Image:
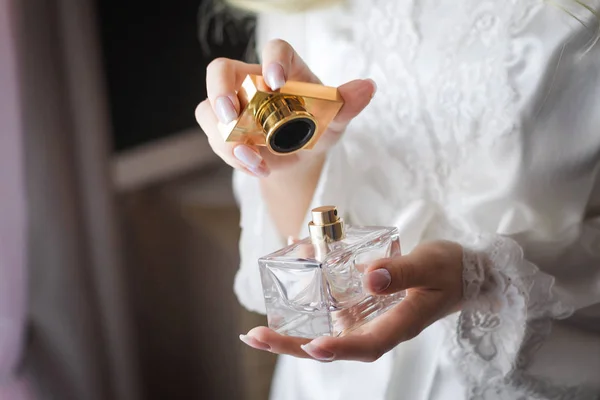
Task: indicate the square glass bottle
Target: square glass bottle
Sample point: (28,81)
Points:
(314,287)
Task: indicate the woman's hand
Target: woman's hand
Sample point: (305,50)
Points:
(432,276)
(280,63)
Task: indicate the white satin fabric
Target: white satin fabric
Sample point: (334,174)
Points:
(485,130)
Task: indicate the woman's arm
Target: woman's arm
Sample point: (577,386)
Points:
(288,195)
(290,187)
(289,181)
(511,303)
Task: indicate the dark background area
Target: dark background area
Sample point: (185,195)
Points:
(155,65)
(181,233)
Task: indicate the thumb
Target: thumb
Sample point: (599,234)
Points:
(392,275)
(357,95)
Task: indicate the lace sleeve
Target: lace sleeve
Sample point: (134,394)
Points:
(504,294)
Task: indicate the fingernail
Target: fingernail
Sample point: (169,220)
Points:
(290,240)
(255,343)
(248,157)
(225,110)
(274,76)
(317,352)
(378,280)
(374,87)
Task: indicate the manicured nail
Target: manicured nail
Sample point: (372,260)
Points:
(248,157)
(378,280)
(255,343)
(317,352)
(290,240)
(374,87)
(225,110)
(274,76)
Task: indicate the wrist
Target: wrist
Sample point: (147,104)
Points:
(288,193)
(307,168)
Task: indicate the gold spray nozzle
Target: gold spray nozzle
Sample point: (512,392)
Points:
(326,224)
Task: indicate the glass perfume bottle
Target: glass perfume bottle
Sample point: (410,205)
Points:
(314,287)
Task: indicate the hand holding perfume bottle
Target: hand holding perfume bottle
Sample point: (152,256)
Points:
(314,287)
(347,293)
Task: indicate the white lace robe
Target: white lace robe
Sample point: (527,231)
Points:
(485,130)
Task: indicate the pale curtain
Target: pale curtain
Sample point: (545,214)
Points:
(78,339)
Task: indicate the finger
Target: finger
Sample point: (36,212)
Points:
(391,275)
(223,78)
(401,323)
(281,62)
(357,95)
(240,156)
(272,341)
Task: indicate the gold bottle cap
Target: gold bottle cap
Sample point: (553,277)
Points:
(326,224)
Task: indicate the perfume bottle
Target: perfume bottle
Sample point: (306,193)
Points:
(314,287)
(286,120)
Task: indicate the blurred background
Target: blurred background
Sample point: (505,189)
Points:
(133,236)
(176,206)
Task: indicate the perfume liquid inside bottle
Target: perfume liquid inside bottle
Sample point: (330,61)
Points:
(314,287)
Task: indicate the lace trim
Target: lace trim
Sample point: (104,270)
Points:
(507,314)
(438,127)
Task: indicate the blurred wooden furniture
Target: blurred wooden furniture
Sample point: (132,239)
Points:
(180,225)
